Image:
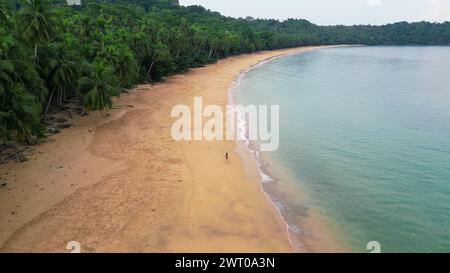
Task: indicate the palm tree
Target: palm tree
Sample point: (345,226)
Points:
(99,86)
(6,75)
(35,22)
(160,54)
(5,13)
(19,112)
(126,67)
(20,92)
(6,81)
(7,70)
(142,47)
(85,27)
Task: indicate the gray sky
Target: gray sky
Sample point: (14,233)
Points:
(332,12)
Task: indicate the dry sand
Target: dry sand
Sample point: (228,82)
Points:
(121,184)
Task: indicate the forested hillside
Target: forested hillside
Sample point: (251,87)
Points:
(51,52)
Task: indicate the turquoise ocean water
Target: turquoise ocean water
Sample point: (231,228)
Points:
(365,133)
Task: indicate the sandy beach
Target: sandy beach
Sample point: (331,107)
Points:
(122,184)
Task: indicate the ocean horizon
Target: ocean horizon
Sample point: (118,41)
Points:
(364,143)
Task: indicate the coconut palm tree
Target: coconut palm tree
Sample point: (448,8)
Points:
(19,112)
(126,67)
(6,81)
(142,47)
(21,91)
(5,12)
(61,74)
(160,54)
(35,22)
(7,70)
(6,77)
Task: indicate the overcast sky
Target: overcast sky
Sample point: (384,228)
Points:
(332,12)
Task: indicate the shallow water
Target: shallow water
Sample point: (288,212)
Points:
(365,133)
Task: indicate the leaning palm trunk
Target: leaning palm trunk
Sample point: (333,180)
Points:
(49,102)
(150,70)
(197,52)
(140,66)
(60,98)
(35,53)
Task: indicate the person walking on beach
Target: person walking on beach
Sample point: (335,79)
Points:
(226,156)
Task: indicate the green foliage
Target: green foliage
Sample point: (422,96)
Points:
(125,66)
(34,21)
(19,99)
(21,117)
(5,11)
(98,86)
(50,52)
(6,76)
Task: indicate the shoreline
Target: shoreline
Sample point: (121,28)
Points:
(121,184)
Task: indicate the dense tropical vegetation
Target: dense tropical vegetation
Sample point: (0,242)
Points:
(51,52)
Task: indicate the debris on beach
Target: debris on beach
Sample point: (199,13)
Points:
(10,151)
(57,122)
(53,131)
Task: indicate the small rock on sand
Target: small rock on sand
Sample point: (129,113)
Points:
(52,130)
(63,125)
(61,119)
(18,157)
